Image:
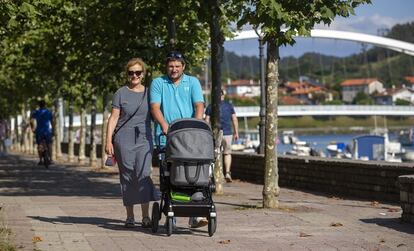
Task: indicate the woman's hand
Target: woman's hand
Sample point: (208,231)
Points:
(109,149)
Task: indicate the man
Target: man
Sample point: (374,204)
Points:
(227,118)
(43,128)
(176,96)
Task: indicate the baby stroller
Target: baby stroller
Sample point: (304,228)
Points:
(186,181)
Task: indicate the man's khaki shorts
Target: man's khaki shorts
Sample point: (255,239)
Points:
(226,144)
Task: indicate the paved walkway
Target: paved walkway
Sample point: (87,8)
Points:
(76,208)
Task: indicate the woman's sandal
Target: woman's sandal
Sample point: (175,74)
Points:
(130,223)
(146,222)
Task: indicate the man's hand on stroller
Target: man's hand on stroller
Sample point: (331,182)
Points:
(164,128)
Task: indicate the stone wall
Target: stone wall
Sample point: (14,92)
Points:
(372,180)
(407,197)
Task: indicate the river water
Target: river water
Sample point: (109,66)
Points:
(319,142)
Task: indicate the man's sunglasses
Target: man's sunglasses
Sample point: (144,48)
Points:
(136,73)
(175,55)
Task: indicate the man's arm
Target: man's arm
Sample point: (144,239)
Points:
(158,117)
(235,123)
(199,110)
(32,122)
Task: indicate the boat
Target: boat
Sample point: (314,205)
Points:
(406,137)
(377,147)
(302,148)
(338,150)
(408,156)
(288,137)
(369,147)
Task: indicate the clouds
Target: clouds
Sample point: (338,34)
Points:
(364,24)
(369,19)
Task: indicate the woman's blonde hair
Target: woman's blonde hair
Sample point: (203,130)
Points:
(134,61)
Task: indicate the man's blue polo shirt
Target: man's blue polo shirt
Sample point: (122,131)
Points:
(177,101)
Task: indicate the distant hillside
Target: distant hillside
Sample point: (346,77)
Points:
(389,66)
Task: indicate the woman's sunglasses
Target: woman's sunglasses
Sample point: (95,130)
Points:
(136,73)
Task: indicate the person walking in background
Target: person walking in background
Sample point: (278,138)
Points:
(228,119)
(41,123)
(176,96)
(4,131)
(129,139)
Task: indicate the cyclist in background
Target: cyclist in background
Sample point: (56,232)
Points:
(43,128)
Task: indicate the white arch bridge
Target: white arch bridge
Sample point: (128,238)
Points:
(300,110)
(330,110)
(392,44)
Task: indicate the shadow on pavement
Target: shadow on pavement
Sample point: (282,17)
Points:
(393,223)
(20,176)
(115,225)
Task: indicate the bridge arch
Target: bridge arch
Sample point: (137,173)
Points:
(389,43)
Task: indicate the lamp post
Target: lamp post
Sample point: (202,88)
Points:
(262,113)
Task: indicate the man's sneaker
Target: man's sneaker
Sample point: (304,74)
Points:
(130,222)
(228,177)
(40,163)
(146,222)
(198,222)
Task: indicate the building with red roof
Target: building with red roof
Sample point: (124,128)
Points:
(351,87)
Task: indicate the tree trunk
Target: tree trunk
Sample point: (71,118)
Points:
(271,182)
(57,153)
(105,117)
(92,153)
(172,34)
(217,40)
(25,133)
(82,137)
(16,140)
(71,135)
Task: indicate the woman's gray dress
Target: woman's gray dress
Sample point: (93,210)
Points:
(133,147)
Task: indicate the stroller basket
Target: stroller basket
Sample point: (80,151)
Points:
(190,151)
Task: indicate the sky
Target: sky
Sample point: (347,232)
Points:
(368,19)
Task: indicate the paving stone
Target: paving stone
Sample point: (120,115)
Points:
(75,208)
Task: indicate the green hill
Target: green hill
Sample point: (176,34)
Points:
(389,66)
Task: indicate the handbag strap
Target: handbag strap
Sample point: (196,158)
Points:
(142,100)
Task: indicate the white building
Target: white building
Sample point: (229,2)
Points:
(390,96)
(243,88)
(351,87)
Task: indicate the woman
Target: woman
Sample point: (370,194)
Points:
(129,139)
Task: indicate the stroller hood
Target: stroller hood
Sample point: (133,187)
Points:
(190,140)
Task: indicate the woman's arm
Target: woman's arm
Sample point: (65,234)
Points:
(113,120)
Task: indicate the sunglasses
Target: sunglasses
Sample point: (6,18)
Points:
(136,73)
(175,55)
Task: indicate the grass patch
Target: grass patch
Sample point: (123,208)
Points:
(5,236)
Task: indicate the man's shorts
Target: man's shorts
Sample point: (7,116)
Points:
(226,143)
(41,136)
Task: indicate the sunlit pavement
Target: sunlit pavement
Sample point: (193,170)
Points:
(68,207)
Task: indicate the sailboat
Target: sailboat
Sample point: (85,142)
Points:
(377,146)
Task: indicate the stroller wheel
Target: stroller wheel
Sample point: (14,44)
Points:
(212,225)
(170,224)
(155,216)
